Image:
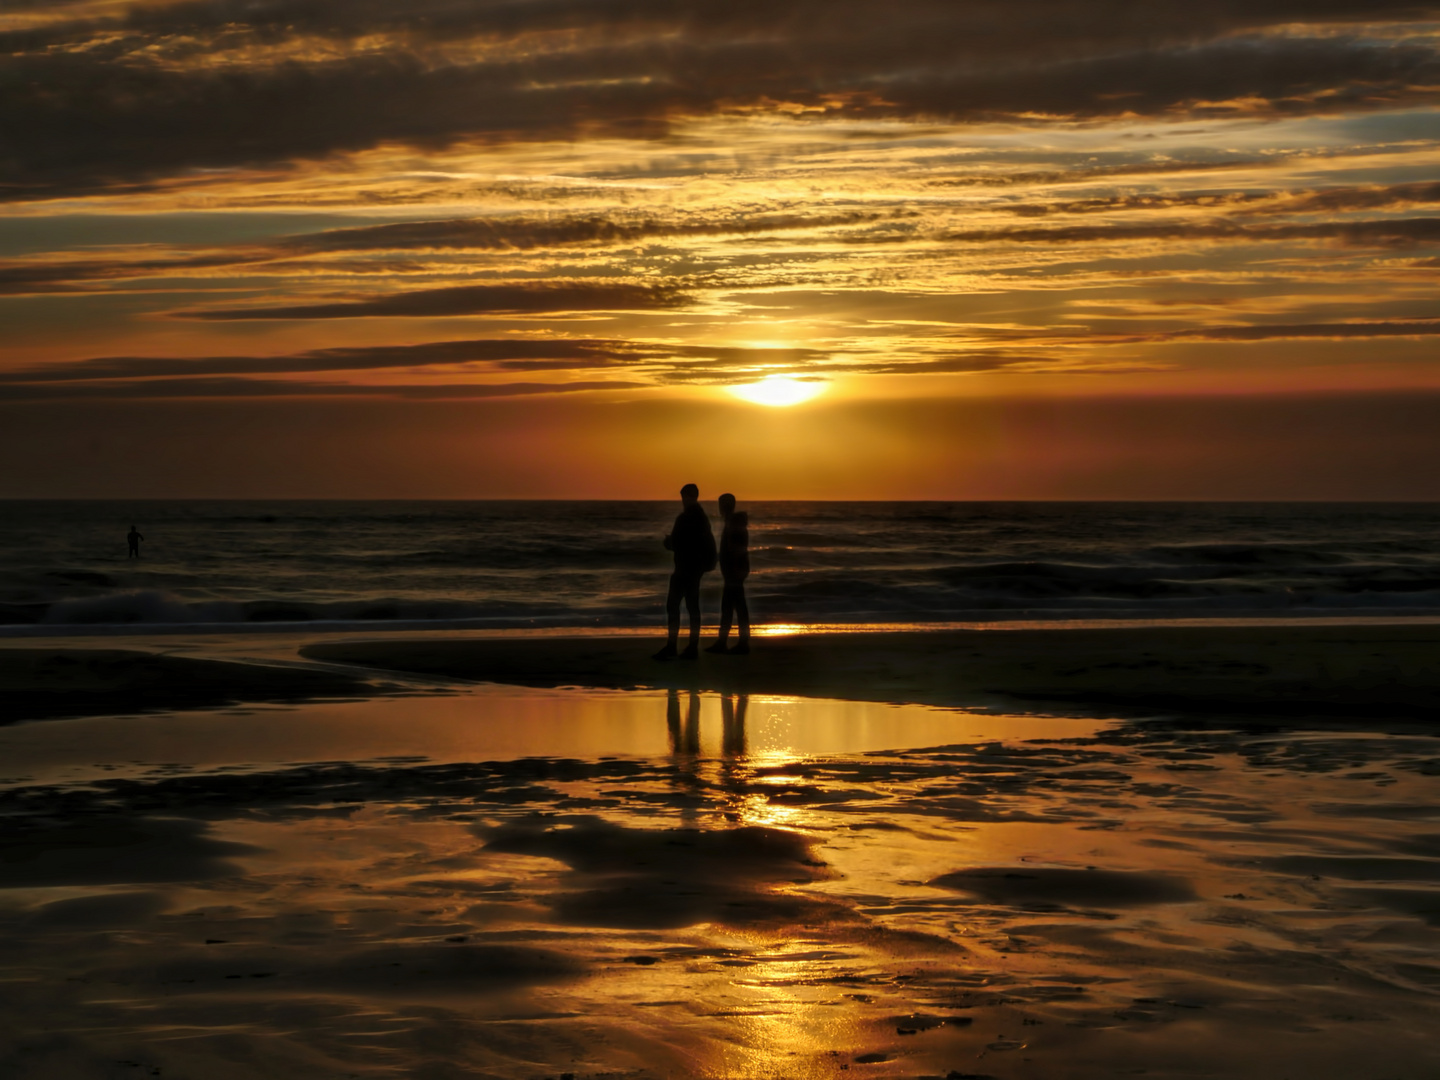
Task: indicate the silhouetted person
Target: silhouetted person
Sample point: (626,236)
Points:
(134,537)
(694,546)
(734,568)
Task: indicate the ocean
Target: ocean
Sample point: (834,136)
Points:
(512,565)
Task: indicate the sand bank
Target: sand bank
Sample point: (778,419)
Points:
(37,684)
(1366,670)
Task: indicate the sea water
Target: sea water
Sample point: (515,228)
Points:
(601,564)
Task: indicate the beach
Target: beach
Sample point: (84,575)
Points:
(1030,852)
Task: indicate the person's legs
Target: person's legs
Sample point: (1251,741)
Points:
(727,616)
(692,606)
(672,617)
(742,618)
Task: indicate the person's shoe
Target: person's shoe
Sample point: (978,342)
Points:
(667,653)
(692,652)
(719,647)
(741,648)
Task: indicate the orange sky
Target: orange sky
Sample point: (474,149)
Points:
(457,248)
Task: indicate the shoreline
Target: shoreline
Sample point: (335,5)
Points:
(480,627)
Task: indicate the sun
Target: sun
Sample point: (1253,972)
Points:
(778,391)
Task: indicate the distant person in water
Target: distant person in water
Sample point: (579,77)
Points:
(734,568)
(134,537)
(693,543)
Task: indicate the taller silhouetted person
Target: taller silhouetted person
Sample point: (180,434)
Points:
(734,568)
(693,543)
(134,537)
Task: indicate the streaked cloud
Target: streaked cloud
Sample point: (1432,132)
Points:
(516,298)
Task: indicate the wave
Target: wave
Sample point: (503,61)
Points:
(811,601)
(589,564)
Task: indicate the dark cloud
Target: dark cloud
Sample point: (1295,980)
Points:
(39,276)
(1261,77)
(1224,200)
(523,233)
(1393,232)
(1332,331)
(514,233)
(163,376)
(575,352)
(1081,173)
(1375,197)
(978,28)
(220,387)
(91,104)
(1330,201)
(524,298)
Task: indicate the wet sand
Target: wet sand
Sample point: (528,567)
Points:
(532,882)
(40,683)
(1271,671)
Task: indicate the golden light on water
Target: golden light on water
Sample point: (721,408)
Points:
(778,391)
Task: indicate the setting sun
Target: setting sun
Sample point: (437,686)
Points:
(778,391)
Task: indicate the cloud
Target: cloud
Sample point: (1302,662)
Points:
(526,298)
(1332,331)
(220,387)
(50,275)
(164,376)
(518,232)
(92,104)
(1337,200)
(521,233)
(577,352)
(1391,232)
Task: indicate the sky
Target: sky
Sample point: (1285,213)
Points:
(950,249)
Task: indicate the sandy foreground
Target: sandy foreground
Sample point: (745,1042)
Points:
(1021,854)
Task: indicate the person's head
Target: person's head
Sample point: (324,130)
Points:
(727,504)
(689,494)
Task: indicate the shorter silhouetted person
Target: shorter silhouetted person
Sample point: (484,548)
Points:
(734,568)
(134,537)
(693,543)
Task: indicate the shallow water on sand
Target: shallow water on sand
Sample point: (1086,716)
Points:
(517,883)
(496,723)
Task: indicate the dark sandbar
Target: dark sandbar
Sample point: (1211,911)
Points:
(39,684)
(1363,670)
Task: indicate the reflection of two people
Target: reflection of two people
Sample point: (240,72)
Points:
(685,733)
(685,749)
